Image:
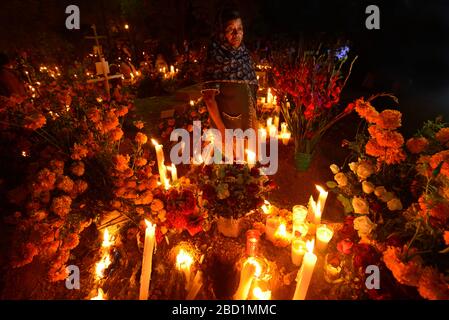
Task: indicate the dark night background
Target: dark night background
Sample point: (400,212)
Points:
(409,55)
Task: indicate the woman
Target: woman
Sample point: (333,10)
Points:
(230,82)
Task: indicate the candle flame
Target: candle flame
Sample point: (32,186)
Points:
(102,265)
(150,226)
(324,233)
(281,232)
(155,143)
(310,245)
(183,260)
(266,207)
(99,296)
(261,295)
(107,239)
(192,103)
(255,263)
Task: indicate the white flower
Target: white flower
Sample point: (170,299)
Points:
(364,226)
(380,191)
(387,197)
(360,205)
(334,168)
(367,187)
(394,204)
(341,179)
(353,166)
(364,170)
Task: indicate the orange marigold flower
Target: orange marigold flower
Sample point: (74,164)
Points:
(366,111)
(389,119)
(417,145)
(407,273)
(35,121)
(61,205)
(372,148)
(121,162)
(394,156)
(141,138)
(441,158)
(442,136)
(110,122)
(77,168)
(57,166)
(79,152)
(436,209)
(46,180)
(79,187)
(116,134)
(94,115)
(138,124)
(386,138)
(423,166)
(432,285)
(71,242)
(121,112)
(64,183)
(140,162)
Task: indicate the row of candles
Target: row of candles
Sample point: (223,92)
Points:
(169,75)
(302,251)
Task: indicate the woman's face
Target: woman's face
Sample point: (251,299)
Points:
(234,33)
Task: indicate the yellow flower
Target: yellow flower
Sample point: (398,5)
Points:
(367,187)
(334,168)
(394,204)
(360,205)
(341,179)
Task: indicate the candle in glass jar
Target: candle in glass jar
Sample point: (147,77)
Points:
(298,251)
(250,269)
(271,226)
(184,262)
(285,136)
(323,235)
(252,239)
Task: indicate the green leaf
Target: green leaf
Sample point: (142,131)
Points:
(331,184)
(345,203)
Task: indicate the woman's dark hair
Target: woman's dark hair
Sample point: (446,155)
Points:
(226,14)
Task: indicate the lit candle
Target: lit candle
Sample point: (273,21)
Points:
(273,130)
(298,250)
(322,197)
(323,235)
(99,296)
(305,273)
(269,122)
(160,162)
(271,226)
(267,208)
(252,238)
(250,269)
(258,294)
(147,260)
(317,214)
(263,100)
(174,173)
(172,69)
(192,103)
(276,122)
(285,136)
(184,262)
(298,218)
(196,286)
(251,158)
(269,96)
(283,127)
(262,134)
(281,236)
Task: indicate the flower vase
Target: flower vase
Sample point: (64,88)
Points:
(229,227)
(302,161)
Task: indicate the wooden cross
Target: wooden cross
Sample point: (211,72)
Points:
(104,64)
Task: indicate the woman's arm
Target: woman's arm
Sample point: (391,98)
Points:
(212,107)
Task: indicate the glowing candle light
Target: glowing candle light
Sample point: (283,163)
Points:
(251,158)
(285,136)
(174,172)
(298,250)
(276,122)
(252,239)
(298,221)
(192,103)
(271,226)
(269,96)
(273,131)
(267,208)
(160,162)
(126,26)
(282,236)
(99,296)
(172,69)
(258,294)
(196,286)
(184,262)
(305,273)
(262,134)
(323,235)
(269,122)
(147,260)
(251,268)
(322,197)
(283,127)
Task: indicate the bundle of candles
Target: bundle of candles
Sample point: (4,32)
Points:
(105,261)
(164,180)
(272,128)
(307,233)
(169,75)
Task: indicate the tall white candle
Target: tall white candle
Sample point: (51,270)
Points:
(147,260)
(174,173)
(250,269)
(305,273)
(251,158)
(160,162)
(298,251)
(322,197)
